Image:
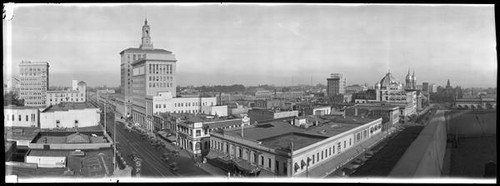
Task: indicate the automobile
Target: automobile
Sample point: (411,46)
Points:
(132,155)
(347,171)
(173,166)
(164,159)
(358,161)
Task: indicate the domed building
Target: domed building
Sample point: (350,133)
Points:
(390,90)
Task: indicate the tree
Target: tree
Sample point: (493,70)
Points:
(11,98)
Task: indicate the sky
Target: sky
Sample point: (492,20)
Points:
(256,44)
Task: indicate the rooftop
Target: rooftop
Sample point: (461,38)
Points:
(95,163)
(299,140)
(14,107)
(279,133)
(20,133)
(69,106)
(378,106)
(70,137)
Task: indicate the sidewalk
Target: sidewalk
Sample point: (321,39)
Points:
(213,170)
(336,163)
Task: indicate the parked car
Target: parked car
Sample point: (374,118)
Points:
(173,166)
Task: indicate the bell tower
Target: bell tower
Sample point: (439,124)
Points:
(146,36)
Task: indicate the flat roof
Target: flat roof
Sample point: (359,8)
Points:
(299,140)
(224,123)
(20,133)
(279,133)
(69,106)
(15,107)
(265,130)
(378,106)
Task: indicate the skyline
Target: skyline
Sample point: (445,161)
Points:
(270,44)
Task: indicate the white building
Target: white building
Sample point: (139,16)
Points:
(278,148)
(76,95)
(215,110)
(69,115)
(15,116)
(164,102)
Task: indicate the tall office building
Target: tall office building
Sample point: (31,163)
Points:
(34,80)
(146,71)
(160,67)
(335,85)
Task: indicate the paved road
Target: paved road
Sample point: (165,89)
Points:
(152,165)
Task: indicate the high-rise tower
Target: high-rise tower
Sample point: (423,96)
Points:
(145,72)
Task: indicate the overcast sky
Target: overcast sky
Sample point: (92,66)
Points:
(253,44)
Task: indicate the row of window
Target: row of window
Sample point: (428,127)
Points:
(189,104)
(36,82)
(323,154)
(33,97)
(239,154)
(160,69)
(31,93)
(62,99)
(32,69)
(160,78)
(33,74)
(13,117)
(28,103)
(64,95)
(37,88)
(160,85)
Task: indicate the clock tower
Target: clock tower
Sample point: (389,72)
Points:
(146,37)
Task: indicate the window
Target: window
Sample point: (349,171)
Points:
(13,117)
(269,162)
(339,148)
(262,161)
(19,117)
(240,153)
(344,144)
(58,123)
(321,155)
(284,168)
(349,141)
(198,132)
(317,157)
(277,166)
(330,151)
(76,123)
(314,159)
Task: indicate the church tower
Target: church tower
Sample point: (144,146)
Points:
(414,81)
(146,37)
(408,80)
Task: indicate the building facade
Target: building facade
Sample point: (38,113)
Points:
(335,85)
(165,102)
(390,90)
(286,150)
(146,72)
(157,73)
(77,94)
(15,116)
(70,115)
(34,82)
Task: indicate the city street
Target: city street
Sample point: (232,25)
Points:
(152,163)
